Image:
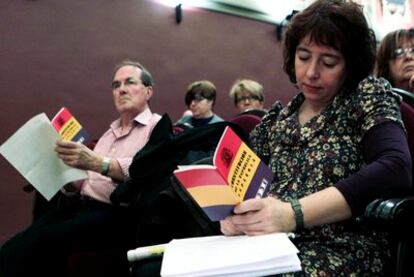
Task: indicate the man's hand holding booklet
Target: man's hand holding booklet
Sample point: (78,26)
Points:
(31,151)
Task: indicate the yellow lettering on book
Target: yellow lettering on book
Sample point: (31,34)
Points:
(242,170)
(70,129)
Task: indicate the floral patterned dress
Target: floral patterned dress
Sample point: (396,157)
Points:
(318,154)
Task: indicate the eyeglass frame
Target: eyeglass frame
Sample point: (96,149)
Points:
(401,52)
(250,98)
(197,98)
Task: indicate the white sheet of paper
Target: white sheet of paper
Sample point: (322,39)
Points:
(230,256)
(31,151)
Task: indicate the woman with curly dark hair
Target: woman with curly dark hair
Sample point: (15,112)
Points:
(335,147)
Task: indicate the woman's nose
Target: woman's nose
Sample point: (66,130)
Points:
(312,70)
(409,55)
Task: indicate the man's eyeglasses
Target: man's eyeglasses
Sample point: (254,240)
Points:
(400,52)
(247,98)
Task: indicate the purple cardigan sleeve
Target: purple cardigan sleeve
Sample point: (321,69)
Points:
(387,172)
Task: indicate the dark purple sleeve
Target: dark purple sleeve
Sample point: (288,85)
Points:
(387,172)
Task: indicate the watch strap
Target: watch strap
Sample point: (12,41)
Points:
(297,209)
(105,166)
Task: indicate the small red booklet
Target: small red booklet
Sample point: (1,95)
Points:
(237,174)
(68,127)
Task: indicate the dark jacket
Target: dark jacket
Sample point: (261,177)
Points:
(163,209)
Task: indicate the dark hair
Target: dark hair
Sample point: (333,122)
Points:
(338,24)
(146,77)
(204,89)
(388,45)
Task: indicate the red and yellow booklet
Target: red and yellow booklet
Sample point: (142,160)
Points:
(68,127)
(237,174)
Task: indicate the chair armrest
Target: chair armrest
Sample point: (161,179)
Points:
(392,214)
(406,95)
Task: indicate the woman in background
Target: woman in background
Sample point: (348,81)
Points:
(395,59)
(200,99)
(247,95)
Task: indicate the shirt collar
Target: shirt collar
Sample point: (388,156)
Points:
(142,118)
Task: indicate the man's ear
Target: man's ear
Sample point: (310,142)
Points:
(150,92)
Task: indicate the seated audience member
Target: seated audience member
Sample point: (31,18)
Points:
(200,99)
(395,59)
(335,147)
(247,95)
(187,113)
(42,249)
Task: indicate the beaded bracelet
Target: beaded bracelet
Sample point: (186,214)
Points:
(297,209)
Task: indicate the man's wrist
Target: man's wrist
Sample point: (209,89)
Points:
(105,166)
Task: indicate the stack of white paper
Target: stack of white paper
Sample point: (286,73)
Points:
(31,151)
(230,256)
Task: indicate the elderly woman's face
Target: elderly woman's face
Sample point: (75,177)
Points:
(402,64)
(320,72)
(247,101)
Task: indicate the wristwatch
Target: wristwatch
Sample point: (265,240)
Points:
(297,209)
(105,166)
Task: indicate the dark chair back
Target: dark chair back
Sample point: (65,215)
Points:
(257,112)
(407,112)
(408,97)
(246,122)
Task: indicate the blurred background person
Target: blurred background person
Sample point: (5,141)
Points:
(200,99)
(247,95)
(395,59)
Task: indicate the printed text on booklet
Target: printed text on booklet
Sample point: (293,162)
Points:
(237,174)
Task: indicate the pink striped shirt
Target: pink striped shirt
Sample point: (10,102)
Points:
(121,146)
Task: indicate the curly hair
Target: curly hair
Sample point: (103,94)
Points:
(388,45)
(338,24)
